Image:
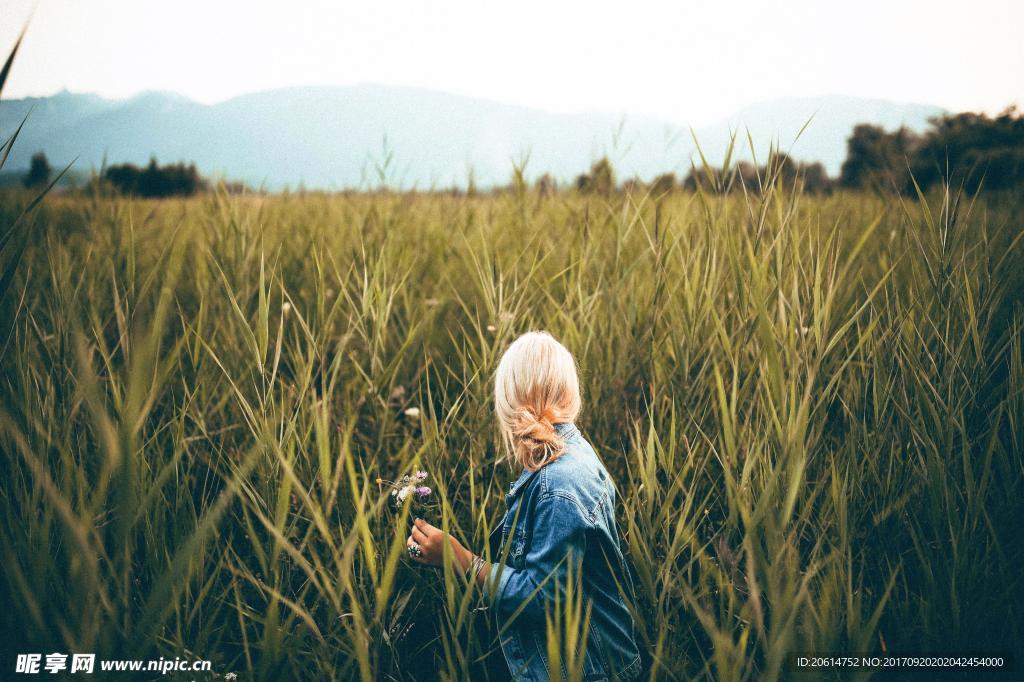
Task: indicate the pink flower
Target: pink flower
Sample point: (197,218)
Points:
(422,491)
(422,476)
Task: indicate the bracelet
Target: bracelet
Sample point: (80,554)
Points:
(473,570)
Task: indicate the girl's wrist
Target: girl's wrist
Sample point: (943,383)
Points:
(465,559)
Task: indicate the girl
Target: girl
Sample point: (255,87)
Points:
(559,524)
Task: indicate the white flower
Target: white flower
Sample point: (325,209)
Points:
(231,676)
(491,328)
(404,493)
(286,309)
(412,412)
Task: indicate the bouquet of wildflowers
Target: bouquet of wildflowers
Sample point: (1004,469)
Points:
(411,484)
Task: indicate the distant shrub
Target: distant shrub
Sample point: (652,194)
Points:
(546,185)
(745,176)
(632,185)
(234,187)
(39,171)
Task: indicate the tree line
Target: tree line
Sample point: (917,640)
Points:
(966,150)
(154,180)
(150,181)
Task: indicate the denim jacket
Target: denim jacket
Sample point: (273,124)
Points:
(563,512)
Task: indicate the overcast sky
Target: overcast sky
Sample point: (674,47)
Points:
(683,61)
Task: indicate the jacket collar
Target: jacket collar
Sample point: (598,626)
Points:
(517,485)
(564,429)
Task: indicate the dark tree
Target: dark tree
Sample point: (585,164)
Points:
(746,175)
(690,182)
(600,180)
(663,184)
(878,160)
(39,171)
(815,178)
(603,176)
(706,179)
(810,177)
(782,168)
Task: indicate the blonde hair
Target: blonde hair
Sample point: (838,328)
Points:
(535,387)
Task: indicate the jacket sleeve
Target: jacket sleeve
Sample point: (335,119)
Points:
(558,538)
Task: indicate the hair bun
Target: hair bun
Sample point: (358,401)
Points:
(536,438)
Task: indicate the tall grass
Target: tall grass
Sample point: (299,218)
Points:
(812,407)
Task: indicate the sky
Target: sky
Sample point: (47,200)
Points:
(686,62)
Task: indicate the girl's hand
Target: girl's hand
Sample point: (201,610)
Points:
(430,541)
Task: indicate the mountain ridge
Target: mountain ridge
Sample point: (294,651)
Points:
(334,137)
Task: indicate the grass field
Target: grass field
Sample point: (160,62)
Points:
(813,408)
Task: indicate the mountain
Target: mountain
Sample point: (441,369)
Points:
(339,137)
